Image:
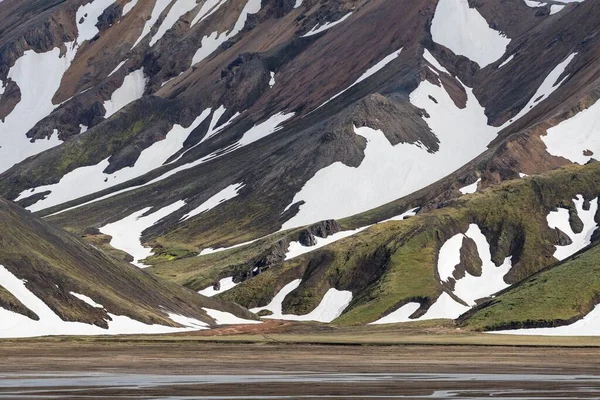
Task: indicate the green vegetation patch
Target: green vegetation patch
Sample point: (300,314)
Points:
(556,296)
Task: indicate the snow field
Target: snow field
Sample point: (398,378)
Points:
(258,132)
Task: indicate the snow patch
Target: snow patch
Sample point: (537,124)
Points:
(128,7)
(209,250)
(547,87)
(158,9)
(470,189)
(576,139)
(87,18)
(179,9)
(328,25)
(209,7)
(187,321)
(296,249)
(214,40)
(118,67)
(464,31)
(468,288)
(560,220)
(225,284)
(554,8)
(264,129)
(400,315)
(509,59)
(226,194)
(126,233)
(271,81)
(132,89)
(407,214)
(368,73)
(587,326)
(434,62)
(331,306)
(445,307)
(275,306)
(225,318)
(87,300)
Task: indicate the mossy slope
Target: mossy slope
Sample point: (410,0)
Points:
(392,263)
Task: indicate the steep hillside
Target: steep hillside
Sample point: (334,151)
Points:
(54,283)
(565,296)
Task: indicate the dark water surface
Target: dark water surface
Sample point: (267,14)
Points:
(298,385)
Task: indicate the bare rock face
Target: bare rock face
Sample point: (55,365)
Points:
(469,260)
(561,238)
(9,99)
(109,17)
(401,122)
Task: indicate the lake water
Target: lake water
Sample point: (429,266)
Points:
(297,385)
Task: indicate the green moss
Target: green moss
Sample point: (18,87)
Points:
(555,296)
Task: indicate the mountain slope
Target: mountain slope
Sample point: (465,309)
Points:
(170,128)
(295,164)
(47,271)
(454,256)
